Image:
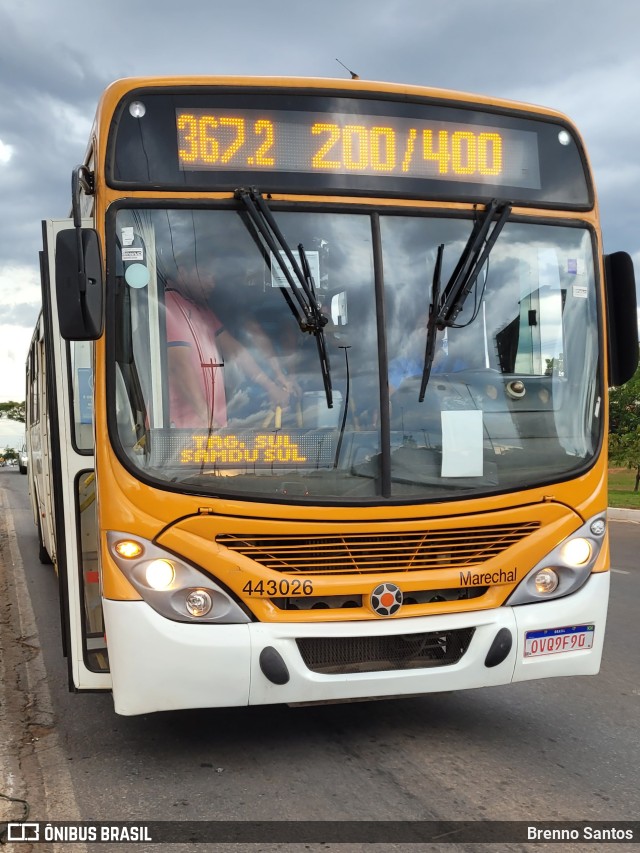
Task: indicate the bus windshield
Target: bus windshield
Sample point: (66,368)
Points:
(217,388)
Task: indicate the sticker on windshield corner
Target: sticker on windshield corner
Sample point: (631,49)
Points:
(133,254)
(580,292)
(127,235)
(278,278)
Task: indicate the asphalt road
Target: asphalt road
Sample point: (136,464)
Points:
(560,749)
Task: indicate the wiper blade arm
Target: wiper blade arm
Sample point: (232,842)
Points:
(309,318)
(312,319)
(445,309)
(472,259)
(321,322)
(432,328)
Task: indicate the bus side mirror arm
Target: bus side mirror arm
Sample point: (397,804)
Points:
(622,318)
(79,278)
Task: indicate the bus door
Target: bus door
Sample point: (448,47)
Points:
(69,376)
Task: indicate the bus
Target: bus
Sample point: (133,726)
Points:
(318,397)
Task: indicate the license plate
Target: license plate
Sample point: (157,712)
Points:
(552,641)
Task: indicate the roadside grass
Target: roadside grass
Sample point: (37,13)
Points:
(621,494)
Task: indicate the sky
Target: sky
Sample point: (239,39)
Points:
(580,57)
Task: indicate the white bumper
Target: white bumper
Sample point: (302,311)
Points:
(159,665)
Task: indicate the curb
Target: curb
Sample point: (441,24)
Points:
(615,514)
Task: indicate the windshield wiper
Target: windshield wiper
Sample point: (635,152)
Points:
(307,313)
(432,328)
(445,308)
(472,259)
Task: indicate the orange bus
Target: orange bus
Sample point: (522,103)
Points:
(325,379)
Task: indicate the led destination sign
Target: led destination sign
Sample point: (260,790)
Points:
(242,450)
(256,449)
(352,144)
(218,139)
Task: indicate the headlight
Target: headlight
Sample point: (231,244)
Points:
(576,552)
(173,587)
(160,574)
(198,602)
(565,569)
(546,581)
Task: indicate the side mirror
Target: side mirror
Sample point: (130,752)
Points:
(622,317)
(79,285)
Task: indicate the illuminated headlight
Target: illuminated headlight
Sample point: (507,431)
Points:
(565,569)
(160,574)
(576,552)
(171,586)
(198,602)
(546,581)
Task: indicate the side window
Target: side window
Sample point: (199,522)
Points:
(33,387)
(81,364)
(540,339)
(95,650)
(532,342)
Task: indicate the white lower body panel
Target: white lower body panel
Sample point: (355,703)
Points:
(160,665)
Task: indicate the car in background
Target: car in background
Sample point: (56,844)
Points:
(22,459)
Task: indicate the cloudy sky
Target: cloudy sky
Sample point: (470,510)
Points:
(578,56)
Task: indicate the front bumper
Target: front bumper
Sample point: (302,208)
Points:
(160,665)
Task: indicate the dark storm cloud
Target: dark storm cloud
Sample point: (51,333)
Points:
(45,90)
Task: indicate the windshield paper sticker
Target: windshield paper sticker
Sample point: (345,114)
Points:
(278,278)
(462,454)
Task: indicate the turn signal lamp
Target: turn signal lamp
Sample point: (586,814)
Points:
(128,549)
(160,574)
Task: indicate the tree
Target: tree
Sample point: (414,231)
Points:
(13,411)
(624,425)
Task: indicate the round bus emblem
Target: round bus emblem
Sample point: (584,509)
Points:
(386,599)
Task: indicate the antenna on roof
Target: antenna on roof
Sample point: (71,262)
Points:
(354,76)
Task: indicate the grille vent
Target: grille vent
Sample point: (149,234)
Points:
(366,553)
(343,655)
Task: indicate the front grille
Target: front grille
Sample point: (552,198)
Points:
(343,655)
(366,553)
(419,597)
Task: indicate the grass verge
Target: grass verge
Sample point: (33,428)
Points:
(621,494)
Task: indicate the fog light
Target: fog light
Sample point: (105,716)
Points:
(198,602)
(546,581)
(160,574)
(576,552)
(128,549)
